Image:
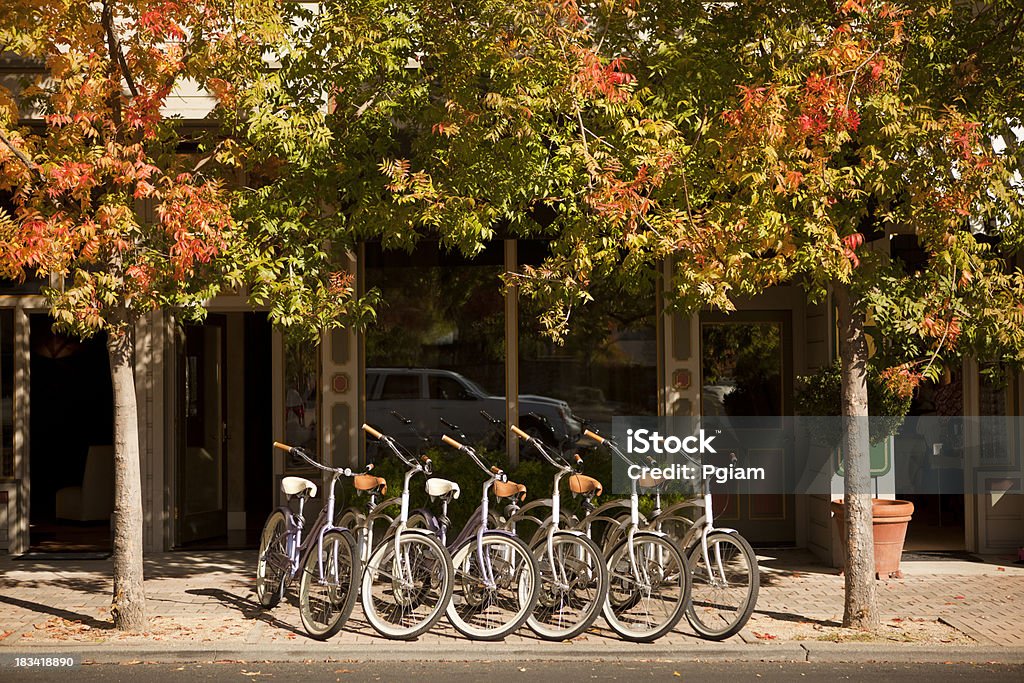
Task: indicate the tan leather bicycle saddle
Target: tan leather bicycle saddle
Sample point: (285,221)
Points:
(509,489)
(368,482)
(649,482)
(584,485)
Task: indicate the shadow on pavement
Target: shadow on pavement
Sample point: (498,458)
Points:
(92,622)
(249,609)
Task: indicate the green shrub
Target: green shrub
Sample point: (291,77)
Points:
(820,395)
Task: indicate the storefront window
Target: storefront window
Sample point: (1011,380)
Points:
(6,393)
(437,349)
(301,397)
(996,400)
(607,365)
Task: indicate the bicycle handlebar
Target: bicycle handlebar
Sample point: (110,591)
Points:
(540,447)
(596,437)
(520,433)
(295,450)
(498,473)
(451,442)
(371,431)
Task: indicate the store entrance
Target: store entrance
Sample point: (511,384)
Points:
(71,453)
(930,467)
(223,473)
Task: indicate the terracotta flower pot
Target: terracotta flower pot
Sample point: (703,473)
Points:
(889,531)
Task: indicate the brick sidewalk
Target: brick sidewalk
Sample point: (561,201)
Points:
(206,598)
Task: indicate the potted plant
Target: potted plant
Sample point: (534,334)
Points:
(818,398)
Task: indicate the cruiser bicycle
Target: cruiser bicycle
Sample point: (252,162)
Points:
(325,555)
(407,583)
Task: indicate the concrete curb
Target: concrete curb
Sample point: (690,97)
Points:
(411,652)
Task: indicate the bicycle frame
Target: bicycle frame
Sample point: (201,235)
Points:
(553,527)
(703,526)
(400,526)
(478,522)
(634,509)
(297,547)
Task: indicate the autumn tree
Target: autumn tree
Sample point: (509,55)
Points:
(105,201)
(411,120)
(798,133)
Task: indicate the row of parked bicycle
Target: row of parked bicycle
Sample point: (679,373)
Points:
(534,563)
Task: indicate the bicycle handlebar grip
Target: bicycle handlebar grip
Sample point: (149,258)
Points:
(371,431)
(577,457)
(596,437)
(495,469)
(451,442)
(520,433)
(283,446)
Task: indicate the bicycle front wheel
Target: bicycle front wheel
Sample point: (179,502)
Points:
(273,563)
(724,588)
(646,596)
(495,586)
(327,591)
(406,592)
(573,586)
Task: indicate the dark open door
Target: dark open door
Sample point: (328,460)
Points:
(201,482)
(747,372)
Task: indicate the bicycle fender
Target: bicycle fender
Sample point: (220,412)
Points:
(573,532)
(419,532)
(428,516)
(289,515)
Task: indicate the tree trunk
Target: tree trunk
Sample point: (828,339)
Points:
(129,600)
(861,609)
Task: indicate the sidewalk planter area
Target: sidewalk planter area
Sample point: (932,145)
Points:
(889,531)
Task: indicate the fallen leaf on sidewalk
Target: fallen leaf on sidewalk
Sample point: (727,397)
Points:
(677,674)
(1000,569)
(343,671)
(764,636)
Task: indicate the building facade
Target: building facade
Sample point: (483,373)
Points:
(213,397)
(448,343)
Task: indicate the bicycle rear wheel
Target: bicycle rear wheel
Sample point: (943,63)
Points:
(405,593)
(327,591)
(273,563)
(723,595)
(490,612)
(573,586)
(646,601)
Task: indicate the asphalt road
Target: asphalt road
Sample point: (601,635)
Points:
(530,672)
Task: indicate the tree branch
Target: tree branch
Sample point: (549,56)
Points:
(114,47)
(21,156)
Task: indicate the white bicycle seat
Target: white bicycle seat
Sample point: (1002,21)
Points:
(441,487)
(297,486)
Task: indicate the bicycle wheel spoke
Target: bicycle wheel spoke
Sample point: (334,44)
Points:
(724,586)
(573,583)
(646,596)
(327,590)
(405,594)
(494,596)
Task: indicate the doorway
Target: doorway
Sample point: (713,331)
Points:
(71,454)
(223,475)
(930,467)
(747,373)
